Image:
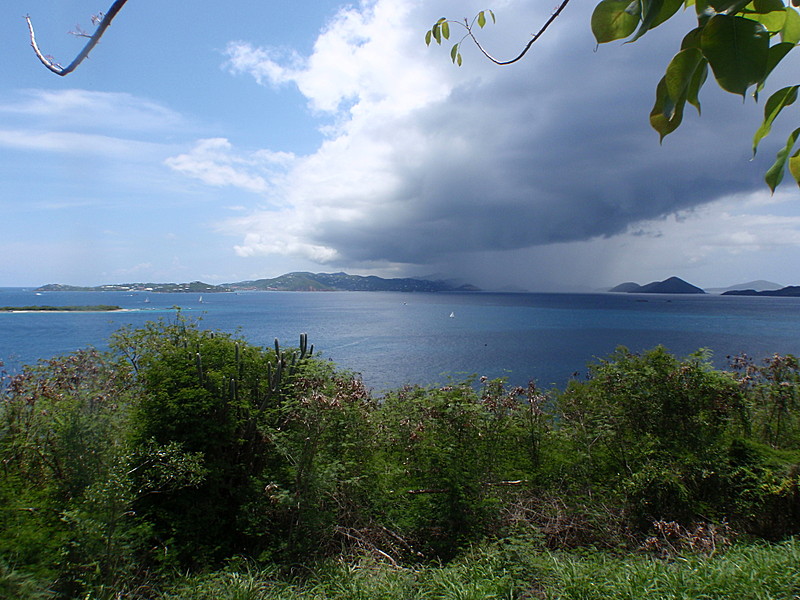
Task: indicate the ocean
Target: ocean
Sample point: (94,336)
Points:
(393,339)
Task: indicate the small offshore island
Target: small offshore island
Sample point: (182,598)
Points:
(91,308)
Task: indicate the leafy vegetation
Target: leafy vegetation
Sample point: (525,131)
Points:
(190,464)
(741,41)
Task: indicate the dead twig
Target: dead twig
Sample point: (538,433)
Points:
(102,24)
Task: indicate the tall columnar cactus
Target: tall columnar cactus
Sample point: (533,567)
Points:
(198,361)
(233,389)
(285,365)
(304,349)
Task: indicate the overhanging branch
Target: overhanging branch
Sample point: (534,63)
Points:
(530,43)
(101,29)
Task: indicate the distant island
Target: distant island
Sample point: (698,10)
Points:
(676,285)
(289,282)
(92,308)
(786,292)
(673,285)
(758,285)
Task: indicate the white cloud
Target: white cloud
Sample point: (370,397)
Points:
(429,163)
(77,143)
(214,162)
(85,109)
(366,56)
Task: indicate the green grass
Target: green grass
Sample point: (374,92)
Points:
(752,572)
(758,572)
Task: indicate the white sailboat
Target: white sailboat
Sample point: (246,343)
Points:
(452,315)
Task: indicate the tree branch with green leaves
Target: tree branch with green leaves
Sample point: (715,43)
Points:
(441,31)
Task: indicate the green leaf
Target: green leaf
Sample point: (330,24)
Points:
(774,174)
(699,78)
(775,55)
(428,35)
(458,59)
(791,28)
(773,21)
(692,39)
(737,50)
(680,72)
(668,9)
(611,21)
(704,12)
(794,166)
(776,103)
(765,6)
(454,53)
(667,114)
(650,10)
(437,33)
(729,7)
(491,14)
(481,19)
(446,30)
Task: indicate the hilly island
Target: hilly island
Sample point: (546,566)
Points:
(673,285)
(289,282)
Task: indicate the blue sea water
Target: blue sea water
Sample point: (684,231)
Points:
(397,338)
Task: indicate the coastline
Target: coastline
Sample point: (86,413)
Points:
(63,310)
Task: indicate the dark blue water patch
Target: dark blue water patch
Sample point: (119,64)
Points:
(395,338)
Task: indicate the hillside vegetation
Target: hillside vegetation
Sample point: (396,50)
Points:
(190,464)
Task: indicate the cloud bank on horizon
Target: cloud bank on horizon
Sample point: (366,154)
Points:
(544,173)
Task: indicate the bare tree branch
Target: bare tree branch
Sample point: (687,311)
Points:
(527,47)
(103,24)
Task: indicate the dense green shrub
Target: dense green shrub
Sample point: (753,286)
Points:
(451,455)
(773,394)
(62,432)
(231,404)
(183,449)
(677,439)
(653,427)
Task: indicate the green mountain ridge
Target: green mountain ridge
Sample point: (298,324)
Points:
(289,282)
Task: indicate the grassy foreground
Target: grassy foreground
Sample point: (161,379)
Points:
(510,570)
(758,572)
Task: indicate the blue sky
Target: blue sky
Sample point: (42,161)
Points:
(247,140)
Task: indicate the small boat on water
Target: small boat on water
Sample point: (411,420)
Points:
(452,315)
(200,300)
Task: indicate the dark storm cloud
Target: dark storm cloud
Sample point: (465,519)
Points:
(555,149)
(518,162)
